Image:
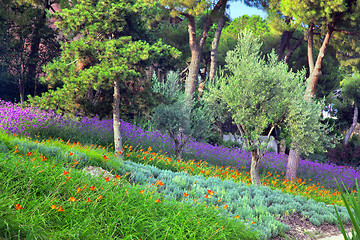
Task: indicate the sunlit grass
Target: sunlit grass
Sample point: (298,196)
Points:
(46,198)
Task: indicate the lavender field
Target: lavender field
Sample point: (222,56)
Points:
(28,121)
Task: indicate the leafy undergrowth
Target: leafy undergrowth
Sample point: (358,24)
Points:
(44,197)
(226,194)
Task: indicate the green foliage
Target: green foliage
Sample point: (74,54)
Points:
(353,209)
(105,53)
(178,114)
(23,28)
(260,93)
(350,88)
(229,35)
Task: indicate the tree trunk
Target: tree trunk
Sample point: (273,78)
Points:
(291,50)
(214,48)
(191,80)
(116,120)
(353,125)
(292,165)
(196,46)
(255,167)
(310,48)
(316,73)
(34,49)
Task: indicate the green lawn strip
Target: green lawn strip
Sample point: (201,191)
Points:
(247,202)
(114,209)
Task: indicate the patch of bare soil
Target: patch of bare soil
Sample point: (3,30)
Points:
(304,230)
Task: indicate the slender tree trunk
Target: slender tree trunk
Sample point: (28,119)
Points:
(196,46)
(310,48)
(353,125)
(116,120)
(292,165)
(255,167)
(214,48)
(316,73)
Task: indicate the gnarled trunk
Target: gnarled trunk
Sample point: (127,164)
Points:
(116,120)
(292,165)
(353,125)
(255,167)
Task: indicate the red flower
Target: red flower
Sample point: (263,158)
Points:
(157,200)
(207,196)
(117,176)
(19,207)
(142,191)
(65,172)
(107,179)
(210,192)
(29,153)
(88,200)
(186,194)
(61,209)
(92,188)
(44,158)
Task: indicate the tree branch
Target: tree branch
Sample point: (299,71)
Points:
(346,32)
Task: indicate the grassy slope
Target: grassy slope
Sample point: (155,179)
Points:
(35,189)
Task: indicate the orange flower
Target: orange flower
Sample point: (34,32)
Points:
(29,153)
(186,194)
(16,151)
(252,222)
(88,200)
(73,199)
(75,162)
(65,172)
(157,200)
(207,196)
(19,207)
(92,188)
(79,190)
(210,192)
(107,179)
(70,154)
(117,176)
(44,158)
(105,158)
(99,197)
(53,207)
(61,209)
(159,183)
(142,191)
(225,206)
(237,216)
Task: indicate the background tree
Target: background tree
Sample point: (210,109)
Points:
(102,55)
(260,94)
(181,121)
(27,41)
(350,90)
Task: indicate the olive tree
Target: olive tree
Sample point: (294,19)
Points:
(180,118)
(260,92)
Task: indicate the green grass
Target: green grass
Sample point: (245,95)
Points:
(116,209)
